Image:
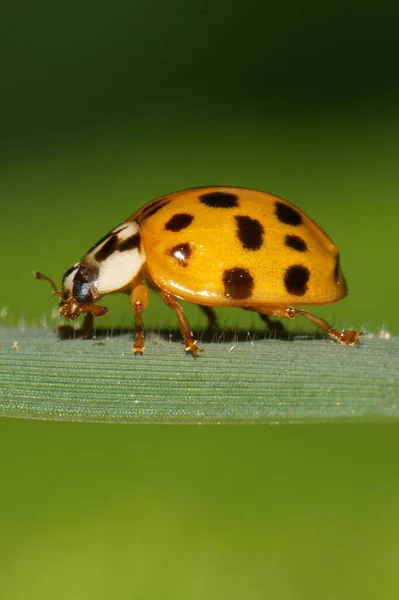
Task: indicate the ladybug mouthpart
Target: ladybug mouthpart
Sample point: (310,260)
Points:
(71,309)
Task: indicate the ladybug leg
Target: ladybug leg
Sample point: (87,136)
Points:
(190,344)
(139,304)
(66,331)
(211,316)
(348,336)
(276,328)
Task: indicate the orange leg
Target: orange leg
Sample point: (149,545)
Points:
(139,304)
(348,336)
(190,344)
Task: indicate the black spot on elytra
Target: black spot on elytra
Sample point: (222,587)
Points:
(287,215)
(250,232)
(219,199)
(130,243)
(296,243)
(296,280)
(107,248)
(238,283)
(179,221)
(154,208)
(181,252)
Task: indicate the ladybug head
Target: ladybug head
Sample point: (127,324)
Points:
(78,293)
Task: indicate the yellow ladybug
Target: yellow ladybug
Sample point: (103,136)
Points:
(213,246)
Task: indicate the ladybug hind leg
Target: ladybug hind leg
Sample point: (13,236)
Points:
(212,325)
(276,328)
(348,336)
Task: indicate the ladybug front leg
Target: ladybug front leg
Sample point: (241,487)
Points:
(66,331)
(348,336)
(190,344)
(139,304)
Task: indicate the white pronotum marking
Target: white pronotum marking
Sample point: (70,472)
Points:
(67,284)
(125,230)
(118,270)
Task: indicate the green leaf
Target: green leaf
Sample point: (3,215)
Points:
(238,381)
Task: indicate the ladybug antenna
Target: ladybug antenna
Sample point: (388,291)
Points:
(38,275)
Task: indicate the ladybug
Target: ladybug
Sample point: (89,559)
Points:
(212,246)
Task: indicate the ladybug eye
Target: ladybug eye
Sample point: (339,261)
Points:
(82,281)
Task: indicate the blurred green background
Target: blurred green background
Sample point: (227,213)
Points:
(105,106)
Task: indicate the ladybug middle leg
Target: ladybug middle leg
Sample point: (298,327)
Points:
(190,344)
